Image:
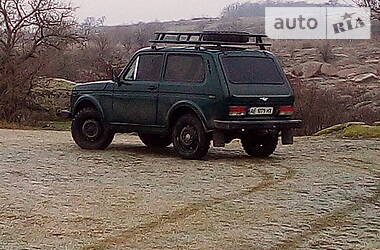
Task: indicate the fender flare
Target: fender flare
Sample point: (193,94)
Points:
(92,100)
(190,105)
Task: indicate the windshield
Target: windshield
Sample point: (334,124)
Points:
(251,70)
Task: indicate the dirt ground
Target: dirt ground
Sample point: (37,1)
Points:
(321,193)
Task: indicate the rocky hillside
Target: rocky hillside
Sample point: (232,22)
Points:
(352,72)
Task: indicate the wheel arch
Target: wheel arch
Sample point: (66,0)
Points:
(185,107)
(87,101)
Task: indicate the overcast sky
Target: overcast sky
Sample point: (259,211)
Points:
(133,11)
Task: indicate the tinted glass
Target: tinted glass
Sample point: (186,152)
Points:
(148,68)
(251,70)
(185,68)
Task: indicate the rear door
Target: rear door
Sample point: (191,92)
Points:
(135,100)
(257,82)
(185,79)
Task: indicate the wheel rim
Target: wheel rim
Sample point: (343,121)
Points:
(188,138)
(91,129)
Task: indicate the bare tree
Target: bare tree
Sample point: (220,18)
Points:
(374,5)
(28,26)
(27,29)
(230,11)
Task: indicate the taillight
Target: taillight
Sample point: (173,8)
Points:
(238,110)
(286,110)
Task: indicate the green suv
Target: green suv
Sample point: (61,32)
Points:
(207,86)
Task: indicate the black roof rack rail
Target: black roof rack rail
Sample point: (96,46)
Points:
(217,38)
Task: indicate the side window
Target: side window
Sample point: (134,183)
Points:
(185,68)
(131,74)
(145,68)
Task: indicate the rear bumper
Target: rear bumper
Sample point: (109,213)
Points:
(276,124)
(65,114)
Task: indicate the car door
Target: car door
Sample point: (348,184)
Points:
(135,98)
(184,80)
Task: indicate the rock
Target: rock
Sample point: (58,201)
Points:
(362,104)
(340,55)
(376,124)
(374,61)
(372,95)
(329,70)
(297,70)
(337,49)
(346,98)
(50,95)
(341,81)
(365,77)
(347,72)
(310,69)
(345,61)
(290,76)
(366,69)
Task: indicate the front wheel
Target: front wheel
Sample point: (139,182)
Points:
(189,138)
(89,132)
(260,146)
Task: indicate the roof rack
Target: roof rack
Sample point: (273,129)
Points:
(218,38)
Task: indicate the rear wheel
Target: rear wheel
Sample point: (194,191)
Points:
(155,141)
(189,138)
(89,132)
(260,146)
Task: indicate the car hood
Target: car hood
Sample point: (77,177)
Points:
(92,86)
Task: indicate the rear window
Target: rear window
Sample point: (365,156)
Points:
(149,68)
(251,70)
(185,68)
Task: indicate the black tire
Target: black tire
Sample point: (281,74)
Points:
(155,141)
(260,146)
(189,138)
(89,132)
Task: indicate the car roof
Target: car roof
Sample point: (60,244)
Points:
(209,50)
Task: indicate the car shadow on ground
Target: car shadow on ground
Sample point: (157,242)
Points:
(215,154)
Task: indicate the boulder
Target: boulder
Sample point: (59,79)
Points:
(366,69)
(50,95)
(345,62)
(297,70)
(347,72)
(310,69)
(365,78)
(329,70)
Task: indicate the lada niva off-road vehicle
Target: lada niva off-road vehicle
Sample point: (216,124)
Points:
(213,88)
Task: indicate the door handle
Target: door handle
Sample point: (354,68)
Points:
(152,87)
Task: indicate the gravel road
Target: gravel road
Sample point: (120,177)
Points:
(321,193)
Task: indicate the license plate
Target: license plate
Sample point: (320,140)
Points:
(261,111)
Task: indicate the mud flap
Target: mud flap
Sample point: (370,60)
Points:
(287,136)
(218,139)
